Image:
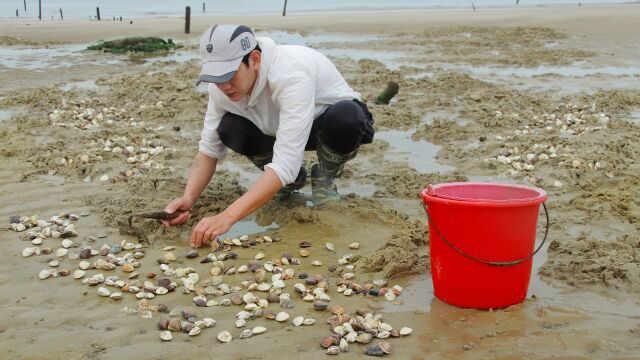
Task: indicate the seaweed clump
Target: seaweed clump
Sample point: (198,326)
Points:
(134,44)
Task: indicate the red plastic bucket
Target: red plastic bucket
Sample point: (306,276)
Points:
(482,237)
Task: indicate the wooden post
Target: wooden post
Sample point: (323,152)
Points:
(284,11)
(187,20)
(16,12)
(39,9)
(388,93)
(204,5)
(473,6)
(61,16)
(98,13)
(25,5)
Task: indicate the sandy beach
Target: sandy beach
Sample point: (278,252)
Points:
(546,97)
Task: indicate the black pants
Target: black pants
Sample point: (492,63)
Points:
(342,127)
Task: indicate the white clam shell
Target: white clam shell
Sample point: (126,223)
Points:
(282,316)
(309,321)
(78,274)
(406,331)
(195,331)
(27,252)
(102,291)
(258,330)
(297,321)
(209,322)
(66,243)
(44,274)
(224,336)
(241,323)
(330,246)
(116,295)
(259,256)
(166,336)
(246,333)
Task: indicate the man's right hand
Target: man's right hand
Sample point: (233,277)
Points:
(178,204)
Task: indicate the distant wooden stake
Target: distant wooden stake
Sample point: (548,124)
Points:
(284,11)
(61,16)
(187,20)
(16,12)
(25,5)
(98,13)
(39,9)
(389,92)
(473,6)
(204,7)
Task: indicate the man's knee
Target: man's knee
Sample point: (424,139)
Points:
(228,128)
(345,116)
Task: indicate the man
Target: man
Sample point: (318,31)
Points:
(270,103)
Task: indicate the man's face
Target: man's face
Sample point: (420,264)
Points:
(243,80)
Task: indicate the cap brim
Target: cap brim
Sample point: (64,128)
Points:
(218,72)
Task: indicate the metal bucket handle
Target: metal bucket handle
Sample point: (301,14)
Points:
(492,263)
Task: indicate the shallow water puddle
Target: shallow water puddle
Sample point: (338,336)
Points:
(5,115)
(444,114)
(84,85)
(51,57)
(294,38)
(420,155)
(567,71)
(635,117)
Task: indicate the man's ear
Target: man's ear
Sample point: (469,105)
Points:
(256,57)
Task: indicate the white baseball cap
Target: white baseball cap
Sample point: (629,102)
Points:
(222,48)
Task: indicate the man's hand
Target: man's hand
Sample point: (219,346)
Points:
(210,228)
(178,204)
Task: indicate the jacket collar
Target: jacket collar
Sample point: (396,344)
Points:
(268,48)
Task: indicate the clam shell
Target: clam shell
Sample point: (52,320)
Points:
(27,252)
(364,338)
(258,330)
(116,296)
(333,350)
(259,256)
(66,243)
(166,336)
(282,316)
(241,323)
(406,331)
(297,321)
(195,331)
(246,333)
(354,245)
(44,274)
(102,291)
(385,347)
(224,336)
(78,274)
(374,350)
(309,321)
(344,345)
(209,322)
(330,246)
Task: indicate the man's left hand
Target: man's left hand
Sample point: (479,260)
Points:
(210,228)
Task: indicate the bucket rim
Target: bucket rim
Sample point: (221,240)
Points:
(430,194)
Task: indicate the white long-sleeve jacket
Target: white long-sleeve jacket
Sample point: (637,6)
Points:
(295,84)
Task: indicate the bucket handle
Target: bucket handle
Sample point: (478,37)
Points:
(492,263)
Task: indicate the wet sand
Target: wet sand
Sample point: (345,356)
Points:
(538,96)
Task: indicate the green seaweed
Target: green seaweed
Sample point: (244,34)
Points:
(134,44)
